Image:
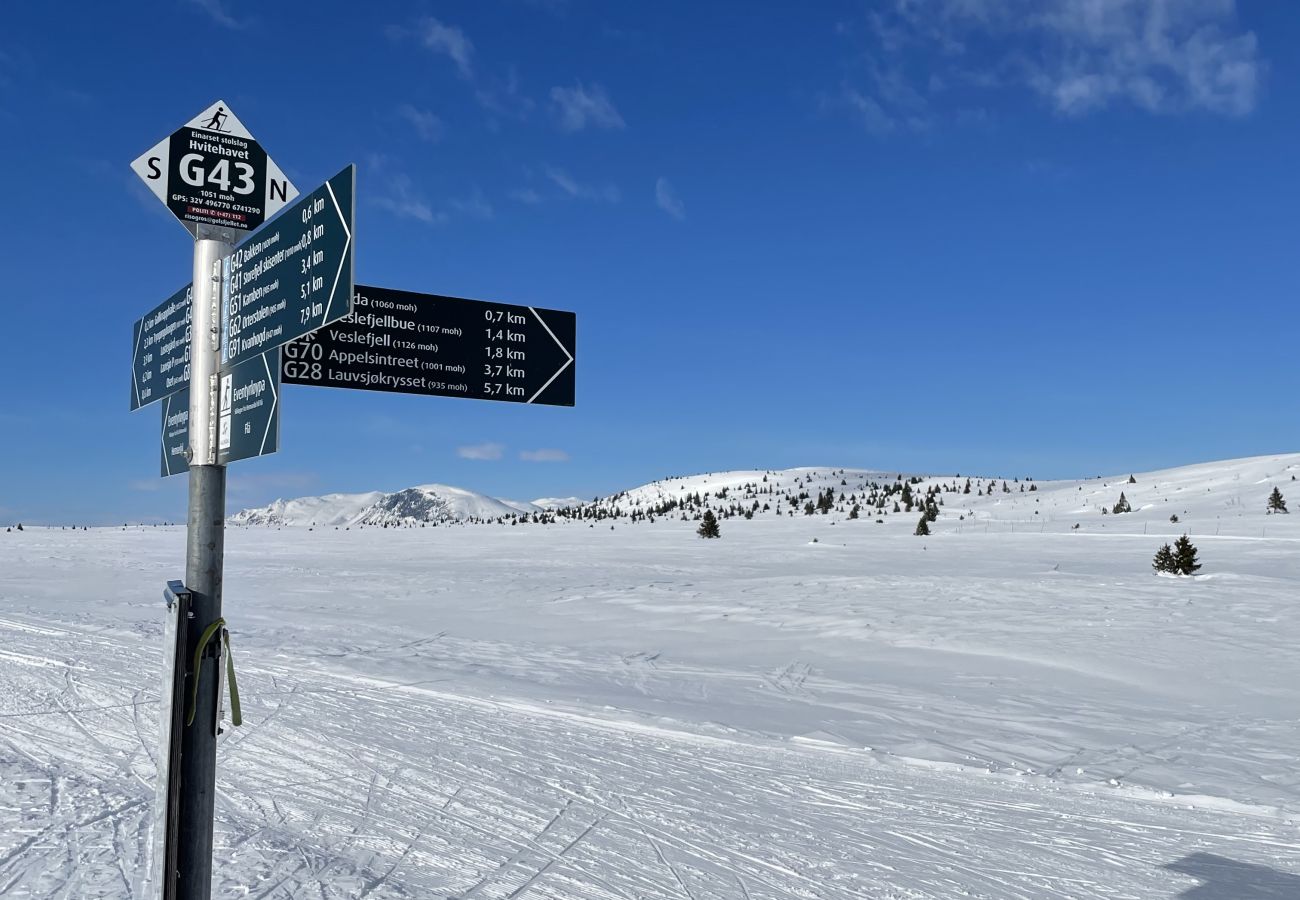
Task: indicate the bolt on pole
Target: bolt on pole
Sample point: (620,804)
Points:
(205,548)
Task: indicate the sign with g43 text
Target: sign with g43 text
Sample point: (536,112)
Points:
(212,172)
(293,276)
(441,346)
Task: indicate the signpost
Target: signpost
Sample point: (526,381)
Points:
(212,172)
(218,181)
(248,415)
(441,346)
(281,304)
(292,277)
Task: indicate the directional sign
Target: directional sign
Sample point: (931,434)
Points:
(160,358)
(293,276)
(444,346)
(248,415)
(212,172)
(176,433)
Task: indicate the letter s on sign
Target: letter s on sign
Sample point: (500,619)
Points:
(154,172)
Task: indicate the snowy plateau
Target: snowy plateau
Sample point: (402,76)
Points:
(447,695)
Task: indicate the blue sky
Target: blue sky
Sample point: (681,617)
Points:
(1052,238)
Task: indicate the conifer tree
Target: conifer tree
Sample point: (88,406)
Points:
(922,527)
(1275,502)
(1122,506)
(709,526)
(1164,561)
(853,513)
(1185,556)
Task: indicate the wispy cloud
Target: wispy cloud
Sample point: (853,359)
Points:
(526,195)
(475,205)
(398,195)
(666,198)
(426,124)
(484,451)
(544,455)
(922,59)
(579,106)
(607,193)
(503,97)
(441,39)
(216,10)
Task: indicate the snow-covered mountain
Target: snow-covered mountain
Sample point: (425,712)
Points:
(1213,496)
(424,503)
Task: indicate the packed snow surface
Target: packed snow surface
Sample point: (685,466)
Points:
(809,707)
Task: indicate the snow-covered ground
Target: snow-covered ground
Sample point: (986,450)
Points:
(810,707)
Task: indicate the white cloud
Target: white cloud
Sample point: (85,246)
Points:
(579,106)
(607,193)
(475,205)
(449,41)
(503,97)
(487,450)
(544,455)
(1079,56)
(867,110)
(397,194)
(426,124)
(216,9)
(526,195)
(667,199)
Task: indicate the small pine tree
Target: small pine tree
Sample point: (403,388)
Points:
(853,513)
(1122,506)
(709,526)
(1132,480)
(1164,561)
(1185,556)
(1275,502)
(922,527)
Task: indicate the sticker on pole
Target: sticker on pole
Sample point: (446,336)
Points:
(213,172)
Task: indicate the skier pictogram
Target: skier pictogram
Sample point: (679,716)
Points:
(215,123)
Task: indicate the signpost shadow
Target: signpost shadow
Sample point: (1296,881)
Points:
(1230,879)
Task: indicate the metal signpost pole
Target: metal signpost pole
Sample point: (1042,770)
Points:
(205,546)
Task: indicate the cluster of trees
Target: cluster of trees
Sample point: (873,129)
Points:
(1180,559)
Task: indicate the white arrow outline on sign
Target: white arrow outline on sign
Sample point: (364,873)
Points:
(135,355)
(567,363)
(275,398)
(344,256)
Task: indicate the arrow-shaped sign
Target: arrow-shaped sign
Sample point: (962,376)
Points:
(442,346)
(160,355)
(248,415)
(293,276)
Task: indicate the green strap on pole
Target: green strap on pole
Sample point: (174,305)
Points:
(218,628)
(236,718)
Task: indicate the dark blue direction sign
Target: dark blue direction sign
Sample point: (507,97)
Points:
(248,415)
(160,355)
(176,433)
(441,346)
(212,172)
(293,276)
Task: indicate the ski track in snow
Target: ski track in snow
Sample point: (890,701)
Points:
(486,713)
